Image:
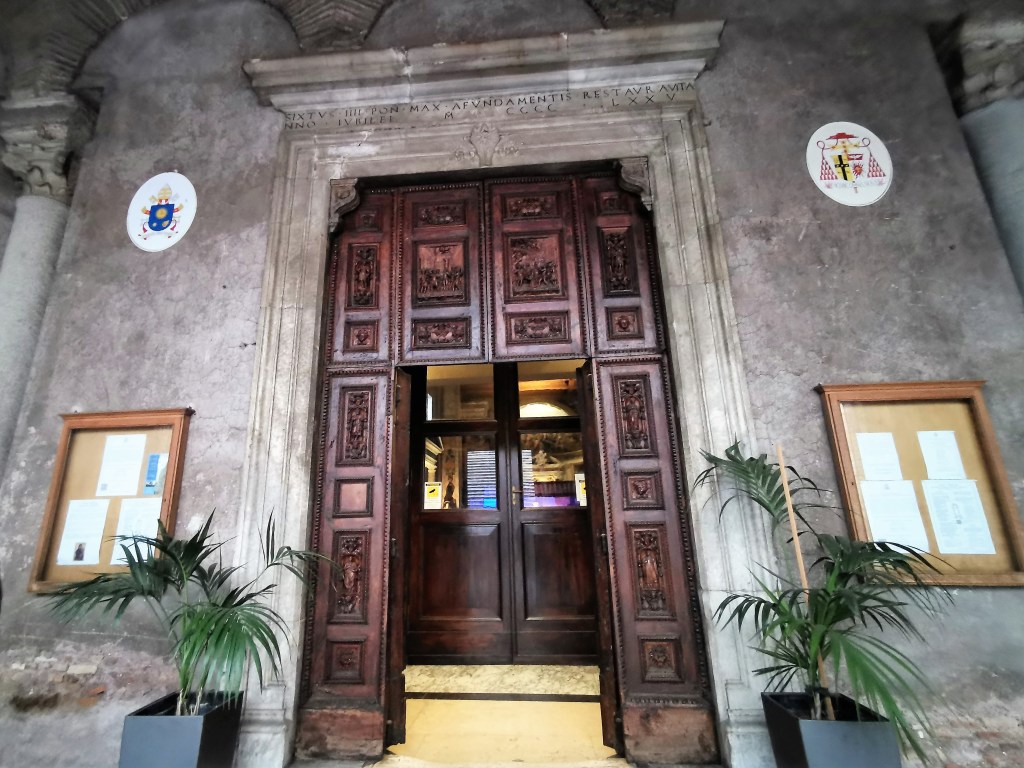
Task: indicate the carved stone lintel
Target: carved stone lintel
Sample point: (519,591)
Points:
(635,177)
(40,134)
(344,198)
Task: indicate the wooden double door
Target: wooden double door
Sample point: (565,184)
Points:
(501,554)
(441,555)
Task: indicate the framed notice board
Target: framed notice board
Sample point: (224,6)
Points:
(918,464)
(115,474)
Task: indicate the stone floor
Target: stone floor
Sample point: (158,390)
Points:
(452,731)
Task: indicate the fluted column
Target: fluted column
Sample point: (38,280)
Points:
(40,134)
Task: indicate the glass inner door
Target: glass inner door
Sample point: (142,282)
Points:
(501,554)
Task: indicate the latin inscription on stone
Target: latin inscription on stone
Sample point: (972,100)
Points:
(492,107)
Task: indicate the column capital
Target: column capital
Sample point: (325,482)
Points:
(40,133)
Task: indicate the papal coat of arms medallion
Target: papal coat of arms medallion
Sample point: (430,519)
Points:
(161,212)
(849,163)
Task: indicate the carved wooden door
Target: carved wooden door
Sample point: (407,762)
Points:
(501,564)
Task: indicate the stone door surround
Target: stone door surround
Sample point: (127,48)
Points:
(572,98)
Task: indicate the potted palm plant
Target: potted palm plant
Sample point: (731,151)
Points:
(826,627)
(215,626)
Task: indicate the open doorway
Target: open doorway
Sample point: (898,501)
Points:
(502,642)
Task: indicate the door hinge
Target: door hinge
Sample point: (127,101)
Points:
(394,547)
(602,539)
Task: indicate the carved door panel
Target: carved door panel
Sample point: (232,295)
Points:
(626,312)
(361,282)
(661,652)
(350,530)
(611,718)
(440,275)
(535,281)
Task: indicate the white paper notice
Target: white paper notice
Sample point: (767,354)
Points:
(878,456)
(892,512)
(122,465)
(139,517)
(83,532)
(941,455)
(958,517)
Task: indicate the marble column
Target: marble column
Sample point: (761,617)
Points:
(40,134)
(995,134)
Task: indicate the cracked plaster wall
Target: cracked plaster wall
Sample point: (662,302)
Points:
(128,330)
(914,287)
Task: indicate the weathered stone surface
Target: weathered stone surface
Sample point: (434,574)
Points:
(339,734)
(666,735)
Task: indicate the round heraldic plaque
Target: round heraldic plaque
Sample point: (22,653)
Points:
(849,163)
(161,212)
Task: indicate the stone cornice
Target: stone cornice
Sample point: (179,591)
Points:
(40,133)
(597,59)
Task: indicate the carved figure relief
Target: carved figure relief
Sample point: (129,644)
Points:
(660,660)
(440,274)
(350,579)
(535,266)
(361,337)
(362,277)
(650,573)
(356,429)
(634,430)
(619,263)
(442,333)
(642,490)
(441,214)
(539,328)
(624,324)
(531,207)
(347,663)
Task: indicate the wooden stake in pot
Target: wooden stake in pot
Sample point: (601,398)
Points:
(822,674)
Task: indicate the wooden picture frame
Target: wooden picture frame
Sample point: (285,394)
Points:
(114,473)
(933,443)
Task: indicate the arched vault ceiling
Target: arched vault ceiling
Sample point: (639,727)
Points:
(76,27)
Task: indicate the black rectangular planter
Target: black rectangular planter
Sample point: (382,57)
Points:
(154,737)
(845,742)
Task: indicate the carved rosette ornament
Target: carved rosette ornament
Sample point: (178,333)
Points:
(40,134)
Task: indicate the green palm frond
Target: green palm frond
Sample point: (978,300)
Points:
(760,481)
(216,626)
(857,588)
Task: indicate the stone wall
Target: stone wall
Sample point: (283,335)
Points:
(8,196)
(131,330)
(914,287)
